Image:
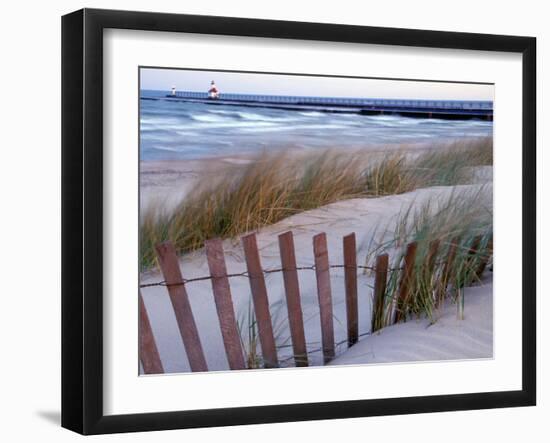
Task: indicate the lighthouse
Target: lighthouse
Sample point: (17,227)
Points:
(213,92)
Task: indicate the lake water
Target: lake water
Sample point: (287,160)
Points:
(185,130)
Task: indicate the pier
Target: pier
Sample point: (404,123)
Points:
(446,109)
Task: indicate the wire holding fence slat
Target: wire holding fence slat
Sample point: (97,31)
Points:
(185,281)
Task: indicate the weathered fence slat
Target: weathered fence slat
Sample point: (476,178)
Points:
(472,254)
(350,275)
(475,245)
(432,255)
(292,290)
(169,265)
(460,304)
(224,303)
(380,278)
(324,294)
(447,268)
(406,280)
(485,257)
(430,271)
(260,301)
(148,352)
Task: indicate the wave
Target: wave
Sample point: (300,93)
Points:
(208,118)
(240,115)
(188,133)
(232,125)
(268,115)
(194,130)
(276,128)
(385,117)
(165,148)
(312,114)
(263,118)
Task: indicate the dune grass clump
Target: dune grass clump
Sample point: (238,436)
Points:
(453,165)
(454,242)
(275,186)
(250,335)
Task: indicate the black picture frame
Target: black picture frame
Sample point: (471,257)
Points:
(82,218)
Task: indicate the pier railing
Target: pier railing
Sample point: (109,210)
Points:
(457,105)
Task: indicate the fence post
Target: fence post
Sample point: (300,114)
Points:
(148,352)
(431,267)
(446,274)
(381,273)
(406,279)
(485,257)
(224,303)
(472,252)
(292,292)
(432,255)
(324,294)
(260,300)
(460,304)
(350,275)
(169,265)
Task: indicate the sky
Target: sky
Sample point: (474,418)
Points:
(280,84)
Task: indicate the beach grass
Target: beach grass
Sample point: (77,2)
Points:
(250,335)
(274,186)
(463,221)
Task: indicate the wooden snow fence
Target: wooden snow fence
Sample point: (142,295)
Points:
(391,311)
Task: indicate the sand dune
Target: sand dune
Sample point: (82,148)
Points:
(166,182)
(362,216)
(448,338)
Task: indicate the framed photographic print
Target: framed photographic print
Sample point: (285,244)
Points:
(269,221)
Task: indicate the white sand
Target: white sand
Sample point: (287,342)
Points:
(448,338)
(166,182)
(362,216)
